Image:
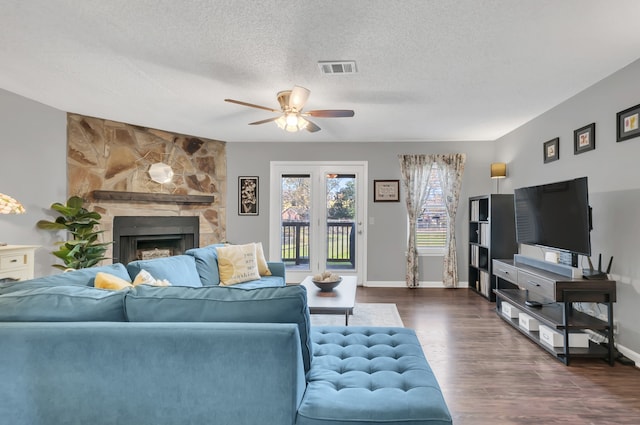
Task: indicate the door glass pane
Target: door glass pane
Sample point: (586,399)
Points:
(341,226)
(295,215)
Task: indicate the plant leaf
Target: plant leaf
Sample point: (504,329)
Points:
(50,225)
(64,210)
(75,202)
(82,249)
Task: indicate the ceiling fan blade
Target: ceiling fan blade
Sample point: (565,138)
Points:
(251,105)
(331,113)
(264,121)
(298,98)
(311,127)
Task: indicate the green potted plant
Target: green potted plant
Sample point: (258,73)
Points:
(83,250)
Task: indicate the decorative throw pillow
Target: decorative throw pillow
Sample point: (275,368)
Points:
(237,263)
(263,268)
(108,281)
(145,278)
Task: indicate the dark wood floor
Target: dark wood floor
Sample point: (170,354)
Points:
(492,374)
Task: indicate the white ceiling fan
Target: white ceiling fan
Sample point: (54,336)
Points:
(292,117)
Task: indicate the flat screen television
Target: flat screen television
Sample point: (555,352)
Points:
(555,215)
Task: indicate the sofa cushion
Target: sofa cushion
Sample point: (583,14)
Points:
(84,277)
(369,375)
(264,282)
(237,264)
(207,263)
(277,268)
(180,270)
(286,304)
(61,303)
(150,373)
(207,267)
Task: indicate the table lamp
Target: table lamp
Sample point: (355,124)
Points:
(8,205)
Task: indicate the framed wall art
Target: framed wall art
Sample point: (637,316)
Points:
(584,139)
(386,191)
(248,199)
(551,150)
(627,124)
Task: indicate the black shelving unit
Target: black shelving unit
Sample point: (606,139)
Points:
(492,235)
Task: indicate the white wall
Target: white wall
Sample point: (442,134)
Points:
(33,145)
(387,237)
(614,180)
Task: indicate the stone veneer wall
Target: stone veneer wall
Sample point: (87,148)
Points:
(108,155)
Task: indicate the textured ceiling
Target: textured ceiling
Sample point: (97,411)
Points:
(428,70)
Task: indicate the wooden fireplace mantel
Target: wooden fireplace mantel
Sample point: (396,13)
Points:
(112,195)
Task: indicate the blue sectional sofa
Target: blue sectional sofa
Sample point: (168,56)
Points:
(199,354)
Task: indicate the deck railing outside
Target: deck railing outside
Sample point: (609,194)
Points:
(340,242)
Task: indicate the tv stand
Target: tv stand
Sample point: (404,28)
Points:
(557,268)
(516,283)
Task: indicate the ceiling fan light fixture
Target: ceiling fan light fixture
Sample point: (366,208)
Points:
(292,122)
(292,103)
(298,97)
(302,123)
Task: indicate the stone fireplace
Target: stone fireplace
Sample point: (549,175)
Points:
(108,165)
(142,238)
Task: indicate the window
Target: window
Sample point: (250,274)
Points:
(432,225)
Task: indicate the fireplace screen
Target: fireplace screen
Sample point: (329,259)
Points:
(149,254)
(143,238)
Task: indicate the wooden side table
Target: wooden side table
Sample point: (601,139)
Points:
(339,301)
(17,262)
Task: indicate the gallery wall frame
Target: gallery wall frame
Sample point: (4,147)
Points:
(551,150)
(627,123)
(386,191)
(584,139)
(248,195)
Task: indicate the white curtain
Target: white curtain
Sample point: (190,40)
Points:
(450,170)
(415,171)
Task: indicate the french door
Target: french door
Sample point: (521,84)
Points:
(317,218)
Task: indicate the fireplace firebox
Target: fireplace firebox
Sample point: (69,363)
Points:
(138,238)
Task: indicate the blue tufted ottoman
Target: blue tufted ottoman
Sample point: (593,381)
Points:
(369,375)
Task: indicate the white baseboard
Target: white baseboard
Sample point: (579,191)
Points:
(403,284)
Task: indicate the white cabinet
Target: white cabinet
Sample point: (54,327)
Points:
(17,261)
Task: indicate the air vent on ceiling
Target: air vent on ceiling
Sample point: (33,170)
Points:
(337,67)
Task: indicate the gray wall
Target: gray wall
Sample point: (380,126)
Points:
(387,236)
(33,140)
(614,180)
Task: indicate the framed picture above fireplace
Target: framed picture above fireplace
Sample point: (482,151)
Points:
(248,200)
